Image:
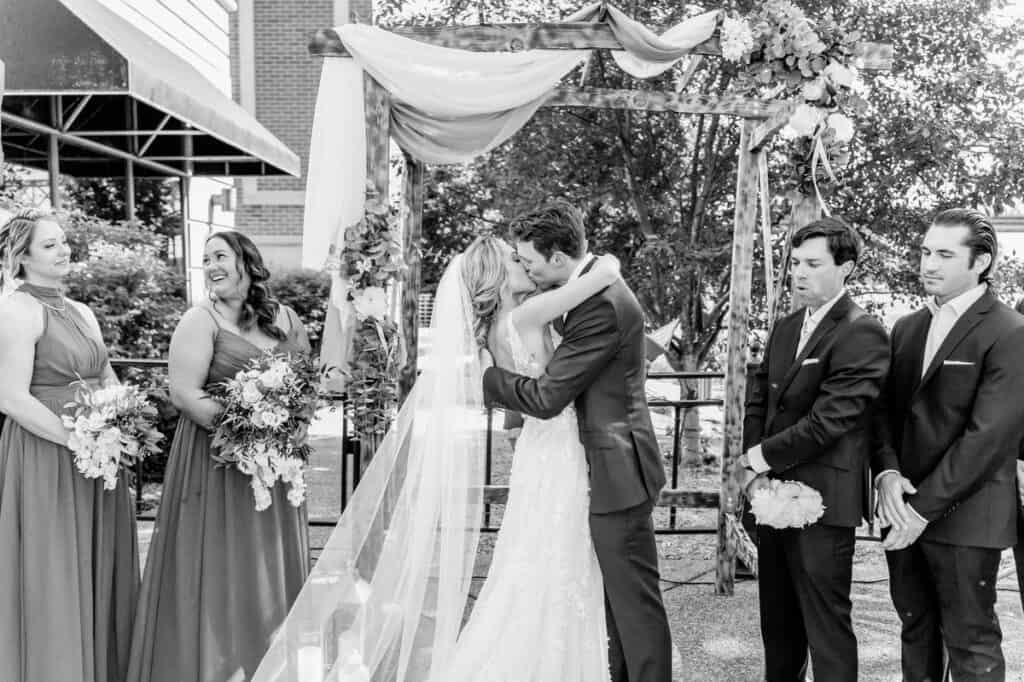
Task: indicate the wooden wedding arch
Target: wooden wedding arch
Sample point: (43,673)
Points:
(760,120)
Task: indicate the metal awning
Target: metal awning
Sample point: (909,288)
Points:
(83,78)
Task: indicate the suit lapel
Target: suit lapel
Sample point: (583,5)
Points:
(960,330)
(824,328)
(913,349)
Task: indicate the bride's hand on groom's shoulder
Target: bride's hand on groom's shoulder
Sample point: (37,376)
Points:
(608,265)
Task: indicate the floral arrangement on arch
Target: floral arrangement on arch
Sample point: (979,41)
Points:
(781,51)
(369,262)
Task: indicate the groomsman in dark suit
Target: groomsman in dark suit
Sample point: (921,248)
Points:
(950,429)
(1018,550)
(807,420)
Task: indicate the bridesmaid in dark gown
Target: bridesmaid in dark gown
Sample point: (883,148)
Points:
(220,576)
(69,567)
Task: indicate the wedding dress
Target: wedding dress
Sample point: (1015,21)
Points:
(386,599)
(540,615)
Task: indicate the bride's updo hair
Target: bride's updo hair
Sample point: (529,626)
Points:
(484,274)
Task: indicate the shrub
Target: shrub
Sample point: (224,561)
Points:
(306,292)
(137,298)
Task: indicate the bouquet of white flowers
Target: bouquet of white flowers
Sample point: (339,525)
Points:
(262,431)
(787,504)
(111,428)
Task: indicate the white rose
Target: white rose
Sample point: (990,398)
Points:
(737,39)
(260,494)
(258,419)
(839,74)
(371,302)
(813,90)
(96,421)
(282,415)
(296,495)
(842,125)
(805,120)
(251,393)
(273,378)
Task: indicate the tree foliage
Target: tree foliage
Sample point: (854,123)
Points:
(156,201)
(942,128)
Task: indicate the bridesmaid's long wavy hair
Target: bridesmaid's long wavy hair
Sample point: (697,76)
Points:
(484,273)
(15,239)
(259,307)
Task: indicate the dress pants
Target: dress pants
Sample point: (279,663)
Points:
(946,595)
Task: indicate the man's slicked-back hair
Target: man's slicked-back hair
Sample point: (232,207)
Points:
(843,241)
(555,226)
(981,237)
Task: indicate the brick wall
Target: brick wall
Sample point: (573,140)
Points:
(286,79)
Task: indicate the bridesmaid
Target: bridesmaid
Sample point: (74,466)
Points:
(69,566)
(221,576)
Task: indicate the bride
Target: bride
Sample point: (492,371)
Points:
(387,597)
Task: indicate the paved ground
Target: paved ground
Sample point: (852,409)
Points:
(717,638)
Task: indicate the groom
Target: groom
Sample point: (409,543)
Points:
(599,367)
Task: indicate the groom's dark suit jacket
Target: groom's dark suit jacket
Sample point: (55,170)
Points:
(811,412)
(600,365)
(957,431)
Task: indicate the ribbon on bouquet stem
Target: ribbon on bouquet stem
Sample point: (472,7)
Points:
(766,233)
(820,155)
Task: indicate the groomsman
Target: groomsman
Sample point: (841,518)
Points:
(950,430)
(807,420)
(1018,550)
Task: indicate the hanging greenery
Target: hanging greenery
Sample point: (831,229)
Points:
(370,262)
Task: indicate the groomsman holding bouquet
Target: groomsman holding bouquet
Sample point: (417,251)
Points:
(807,436)
(949,433)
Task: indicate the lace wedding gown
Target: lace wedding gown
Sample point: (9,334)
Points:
(540,615)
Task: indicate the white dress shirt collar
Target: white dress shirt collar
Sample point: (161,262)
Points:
(959,304)
(815,318)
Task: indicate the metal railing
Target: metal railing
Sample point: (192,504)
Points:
(350,465)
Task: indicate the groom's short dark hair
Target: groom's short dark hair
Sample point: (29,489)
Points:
(555,226)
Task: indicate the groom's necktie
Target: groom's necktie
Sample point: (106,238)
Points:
(806,329)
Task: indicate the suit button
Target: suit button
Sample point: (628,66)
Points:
(780,408)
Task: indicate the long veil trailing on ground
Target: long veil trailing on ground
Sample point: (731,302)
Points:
(387,595)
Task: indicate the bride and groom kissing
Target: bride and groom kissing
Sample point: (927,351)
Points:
(541,327)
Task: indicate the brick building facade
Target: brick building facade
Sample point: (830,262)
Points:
(274,77)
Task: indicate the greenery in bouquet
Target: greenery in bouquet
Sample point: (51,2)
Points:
(112,428)
(263,428)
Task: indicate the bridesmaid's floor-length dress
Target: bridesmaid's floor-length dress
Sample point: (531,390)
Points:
(69,561)
(220,576)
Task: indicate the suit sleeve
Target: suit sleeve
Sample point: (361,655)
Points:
(588,344)
(883,453)
(858,366)
(757,399)
(993,430)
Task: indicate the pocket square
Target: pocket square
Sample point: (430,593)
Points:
(810,361)
(957,363)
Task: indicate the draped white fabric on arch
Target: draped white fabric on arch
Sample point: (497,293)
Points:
(447,106)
